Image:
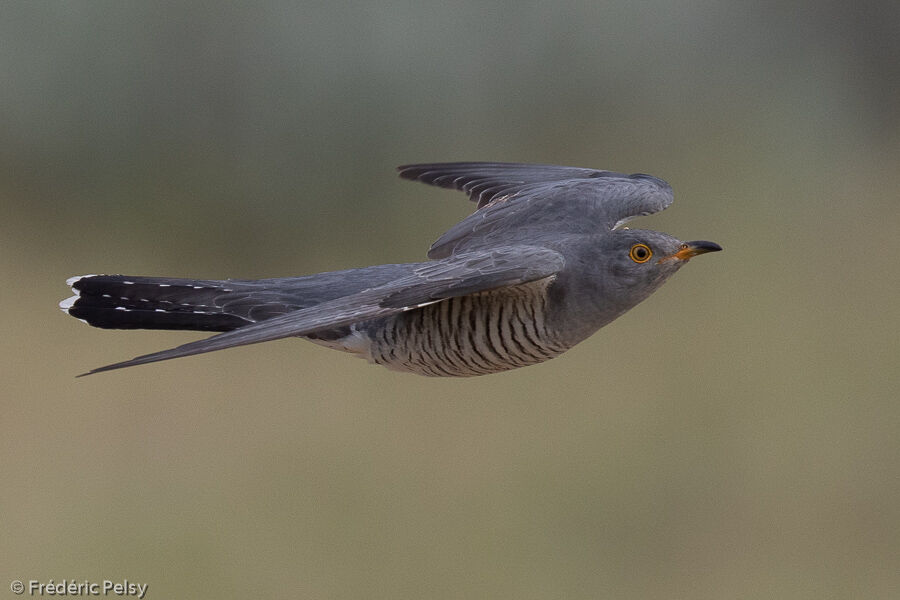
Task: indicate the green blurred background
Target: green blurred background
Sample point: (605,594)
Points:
(735,436)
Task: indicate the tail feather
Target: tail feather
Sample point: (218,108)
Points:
(123,302)
(127,302)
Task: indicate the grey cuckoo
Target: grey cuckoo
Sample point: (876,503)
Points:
(541,264)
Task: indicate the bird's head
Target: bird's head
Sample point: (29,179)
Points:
(636,262)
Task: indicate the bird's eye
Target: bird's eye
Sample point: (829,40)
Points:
(640,253)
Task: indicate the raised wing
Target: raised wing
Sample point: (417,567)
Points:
(463,274)
(484,181)
(512,197)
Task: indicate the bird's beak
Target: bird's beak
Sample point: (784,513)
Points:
(689,250)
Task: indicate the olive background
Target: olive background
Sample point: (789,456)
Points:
(734,436)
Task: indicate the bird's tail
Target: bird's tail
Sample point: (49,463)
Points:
(123,302)
(126,302)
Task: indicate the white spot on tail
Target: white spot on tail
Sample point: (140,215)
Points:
(66,304)
(73,280)
(164,284)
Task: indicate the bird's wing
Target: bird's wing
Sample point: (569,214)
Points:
(463,274)
(484,181)
(545,197)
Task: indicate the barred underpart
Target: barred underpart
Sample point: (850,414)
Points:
(479,334)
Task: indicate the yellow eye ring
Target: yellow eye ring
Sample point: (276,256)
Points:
(640,253)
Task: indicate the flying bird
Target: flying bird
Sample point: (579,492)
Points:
(540,265)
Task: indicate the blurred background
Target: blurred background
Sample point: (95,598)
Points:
(735,436)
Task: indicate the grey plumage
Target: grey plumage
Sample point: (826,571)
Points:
(538,267)
(527,202)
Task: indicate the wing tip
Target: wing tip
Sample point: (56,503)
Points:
(138,360)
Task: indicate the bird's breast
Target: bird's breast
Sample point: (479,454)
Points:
(479,334)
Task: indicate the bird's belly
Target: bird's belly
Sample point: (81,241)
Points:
(471,335)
